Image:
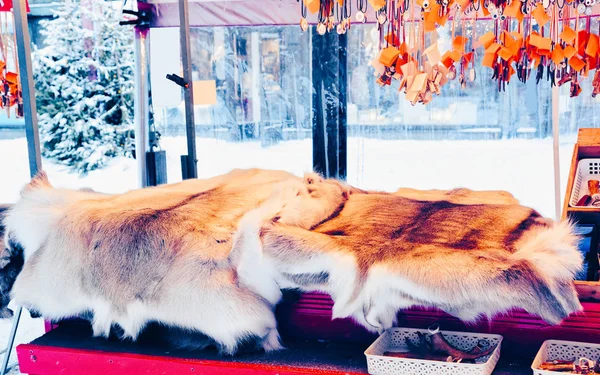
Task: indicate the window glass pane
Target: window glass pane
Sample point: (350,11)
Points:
(476,137)
(262,116)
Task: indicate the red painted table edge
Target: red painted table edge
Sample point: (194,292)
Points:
(43,360)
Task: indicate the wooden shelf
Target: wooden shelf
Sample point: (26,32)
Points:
(581,209)
(587,146)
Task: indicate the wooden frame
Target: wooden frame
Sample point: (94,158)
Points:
(587,146)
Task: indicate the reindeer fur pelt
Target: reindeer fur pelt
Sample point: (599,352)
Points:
(211,256)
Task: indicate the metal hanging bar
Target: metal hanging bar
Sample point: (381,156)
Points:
(141,111)
(188,162)
(26,79)
(31,127)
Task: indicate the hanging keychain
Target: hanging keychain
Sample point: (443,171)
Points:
(303,20)
(361,14)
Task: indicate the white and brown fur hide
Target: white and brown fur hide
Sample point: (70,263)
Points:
(384,252)
(211,256)
(160,254)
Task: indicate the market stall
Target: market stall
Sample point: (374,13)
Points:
(551,42)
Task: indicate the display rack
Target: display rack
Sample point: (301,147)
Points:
(587,146)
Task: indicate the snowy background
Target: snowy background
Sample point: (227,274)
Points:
(522,167)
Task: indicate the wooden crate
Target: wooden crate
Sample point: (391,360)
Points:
(587,146)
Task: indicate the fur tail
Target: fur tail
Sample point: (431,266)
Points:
(246,253)
(552,253)
(36,214)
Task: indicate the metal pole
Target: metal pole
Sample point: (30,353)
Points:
(556,126)
(142,121)
(26,79)
(555,150)
(188,91)
(11,339)
(31,127)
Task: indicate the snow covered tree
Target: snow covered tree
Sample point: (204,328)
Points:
(84,85)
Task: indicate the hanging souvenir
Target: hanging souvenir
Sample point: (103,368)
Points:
(525,43)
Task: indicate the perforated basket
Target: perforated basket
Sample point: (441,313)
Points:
(587,169)
(566,350)
(395,339)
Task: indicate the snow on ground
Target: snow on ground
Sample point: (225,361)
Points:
(522,167)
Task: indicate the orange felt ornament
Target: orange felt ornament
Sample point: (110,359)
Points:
(576,63)
(558,55)
(540,15)
(569,51)
(377,4)
(568,35)
(388,56)
(487,39)
(592,46)
(459,43)
(313,6)
(489,59)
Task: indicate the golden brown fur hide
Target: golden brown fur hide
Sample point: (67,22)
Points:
(383,252)
(212,255)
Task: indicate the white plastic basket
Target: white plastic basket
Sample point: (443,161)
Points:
(587,169)
(567,350)
(395,339)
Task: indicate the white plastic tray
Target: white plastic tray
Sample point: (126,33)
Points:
(395,339)
(566,350)
(587,169)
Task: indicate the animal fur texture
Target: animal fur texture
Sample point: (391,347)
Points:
(161,254)
(210,257)
(385,252)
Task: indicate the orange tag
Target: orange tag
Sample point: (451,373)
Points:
(442,20)
(569,51)
(535,40)
(493,48)
(489,59)
(403,48)
(467,57)
(592,46)
(434,12)
(377,4)
(399,62)
(582,38)
(429,26)
(558,55)
(576,63)
(545,44)
(313,6)
(505,54)
(455,55)
(409,69)
(11,78)
(388,56)
(568,35)
(540,15)
(487,39)
(433,54)
(514,10)
(459,43)
(510,43)
(447,60)
(419,82)
(392,39)
(463,4)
